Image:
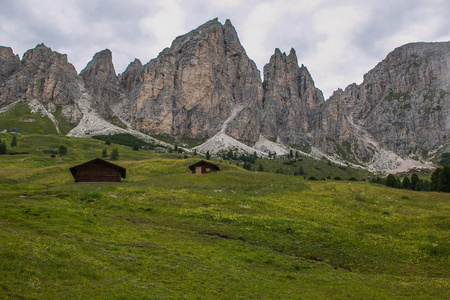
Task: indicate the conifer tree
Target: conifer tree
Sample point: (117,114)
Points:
(260,168)
(115,154)
(414,182)
(3,148)
(406,183)
(14,142)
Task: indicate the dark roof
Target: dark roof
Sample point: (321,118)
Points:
(122,171)
(204,162)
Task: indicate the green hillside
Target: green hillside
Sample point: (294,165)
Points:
(165,233)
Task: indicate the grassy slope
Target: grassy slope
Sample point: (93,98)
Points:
(165,233)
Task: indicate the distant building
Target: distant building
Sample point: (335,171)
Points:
(98,170)
(203,167)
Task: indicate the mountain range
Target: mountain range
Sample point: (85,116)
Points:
(206,89)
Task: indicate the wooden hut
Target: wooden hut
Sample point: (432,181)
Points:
(203,167)
(98,170)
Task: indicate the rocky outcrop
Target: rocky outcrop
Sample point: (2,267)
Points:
(102,83)
(206,87)
(9,63)
(403,105)
(291,101)
(191,88)
(46,76)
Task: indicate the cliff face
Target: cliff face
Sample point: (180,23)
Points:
(291,100)
(205,84)
(403,104)
(45,76)
(102,83)
(191,88)
(9,63)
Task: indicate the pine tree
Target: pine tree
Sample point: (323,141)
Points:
(208,156)
(260,168)
(3,148)
(14,142)
(135,146)
(301,171)
(108,142)
(414,182)
(391,181)
(406,183)
(115,154)
(104,153)
(445,179)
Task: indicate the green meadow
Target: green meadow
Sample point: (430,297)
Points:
(164,233)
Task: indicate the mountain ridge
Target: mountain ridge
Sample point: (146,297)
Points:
(205,85)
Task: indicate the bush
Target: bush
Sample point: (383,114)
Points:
(62,149)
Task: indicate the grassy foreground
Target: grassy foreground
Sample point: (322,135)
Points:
(167,234)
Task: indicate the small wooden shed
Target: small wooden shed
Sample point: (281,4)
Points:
(203,167)
(98,170)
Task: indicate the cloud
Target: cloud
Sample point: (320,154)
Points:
(165,25)
(338,40)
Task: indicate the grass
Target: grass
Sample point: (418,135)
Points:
(28,123)
(164,233)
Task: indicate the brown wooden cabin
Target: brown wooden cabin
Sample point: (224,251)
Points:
(203,167)
(98,170)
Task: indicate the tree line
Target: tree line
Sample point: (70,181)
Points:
(440,181)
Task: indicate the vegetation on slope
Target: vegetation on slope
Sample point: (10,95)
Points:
(166,233)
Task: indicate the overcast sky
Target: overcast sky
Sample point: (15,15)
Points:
(337,40)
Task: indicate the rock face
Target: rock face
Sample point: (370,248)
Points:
(291,101)
(403,105)
(191,88)
(47,77)
(9,63)
(102,83)
(205,86)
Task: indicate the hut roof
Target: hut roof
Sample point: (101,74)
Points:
(121,170)
(202,163)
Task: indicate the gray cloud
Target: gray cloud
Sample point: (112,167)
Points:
(338,41)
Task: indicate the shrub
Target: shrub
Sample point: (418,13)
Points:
(62,149)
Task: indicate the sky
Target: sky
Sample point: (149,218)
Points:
(337,40)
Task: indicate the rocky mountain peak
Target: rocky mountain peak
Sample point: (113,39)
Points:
(102,83)
(191,88)
(9,63)
(44,75)
(290,100)
(99,69)
(206,87)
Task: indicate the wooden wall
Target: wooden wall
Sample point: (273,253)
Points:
(97,173)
